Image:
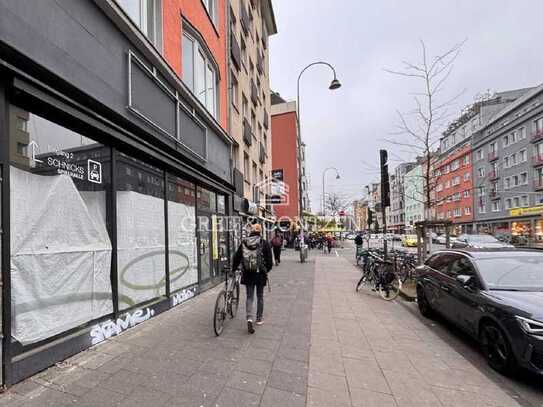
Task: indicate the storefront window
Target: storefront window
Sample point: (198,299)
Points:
(539,231)
(141,259)
(60,245)
(206,200)
(520,233)
(182,233)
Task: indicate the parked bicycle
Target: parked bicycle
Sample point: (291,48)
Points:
(379,274)
(227,302)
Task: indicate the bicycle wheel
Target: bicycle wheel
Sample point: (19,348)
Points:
(391,290)
(403,272)
(219,314)
(234,300)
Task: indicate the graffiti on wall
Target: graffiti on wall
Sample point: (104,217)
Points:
(183,296)
(107,329)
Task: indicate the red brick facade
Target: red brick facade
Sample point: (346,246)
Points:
(214,35)
(284,155)
(454,190)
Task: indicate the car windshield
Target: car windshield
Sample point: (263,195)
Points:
(482,239)
(411,237)
(513,272)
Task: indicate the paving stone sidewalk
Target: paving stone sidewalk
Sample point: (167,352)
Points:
(369,352)
(175,359)
(322,344)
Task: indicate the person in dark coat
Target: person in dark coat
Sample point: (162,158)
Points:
(257,279)
(277,245)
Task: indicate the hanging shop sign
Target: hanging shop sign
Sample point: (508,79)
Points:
(277,174)
(534,210)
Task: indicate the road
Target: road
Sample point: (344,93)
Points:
(527,390)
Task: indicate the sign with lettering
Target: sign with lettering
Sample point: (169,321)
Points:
(534,210)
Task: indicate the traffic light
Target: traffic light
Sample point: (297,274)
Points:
(385,183)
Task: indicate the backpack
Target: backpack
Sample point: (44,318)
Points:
(252,254)
(277,241)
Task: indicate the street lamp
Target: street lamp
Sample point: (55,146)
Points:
(335,84)
(323,190)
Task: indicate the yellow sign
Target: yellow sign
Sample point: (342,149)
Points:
(534,210)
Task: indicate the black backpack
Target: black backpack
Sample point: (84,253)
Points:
(251,248)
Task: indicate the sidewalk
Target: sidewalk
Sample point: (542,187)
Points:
(370,352)
(323,344)
(175,359)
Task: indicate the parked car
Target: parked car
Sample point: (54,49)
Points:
(495,295)
(397,237)
(410,241)
(442,239)
(479,242)
(350,236)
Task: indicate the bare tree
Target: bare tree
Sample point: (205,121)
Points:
(424,124)
(335,203)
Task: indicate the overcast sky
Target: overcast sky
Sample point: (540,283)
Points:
(344,128)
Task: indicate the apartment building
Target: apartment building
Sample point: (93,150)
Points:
(455,197)
(285,158)
(360,214)
(251,23)
(508,171)
(414,196)
(396,217)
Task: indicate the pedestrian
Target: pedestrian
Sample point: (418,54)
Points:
(329,243)
(277,244)
(255,257)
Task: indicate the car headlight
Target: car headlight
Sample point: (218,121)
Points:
(530,326)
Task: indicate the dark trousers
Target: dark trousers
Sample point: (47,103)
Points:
(277,253)
(249,304)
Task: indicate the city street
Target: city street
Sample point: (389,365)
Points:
(322,344)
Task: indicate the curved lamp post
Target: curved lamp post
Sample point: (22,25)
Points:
(323,190)
(335,84)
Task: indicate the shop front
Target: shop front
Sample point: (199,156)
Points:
(114,197)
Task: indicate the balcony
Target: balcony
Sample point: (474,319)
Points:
(254,92)
(260,63)
(537,160)
(494,194)
(265,120)
(538,184)
(262,154)
(492,175)
(235,51)
(537,136)
(245,20)
(247,133)
(492,156)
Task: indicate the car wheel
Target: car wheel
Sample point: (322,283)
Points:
(424,306)
(497,349)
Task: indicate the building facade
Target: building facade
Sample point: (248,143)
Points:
(115,163)
(285,159)
(251,23)
(508,175)
(396,217)
(414,197)
(360,214)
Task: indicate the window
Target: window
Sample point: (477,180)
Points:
(456,181)
(496,206)
(522,156)
(507,183)
(246,168)
(524,178)
(244,106)
(447,184)
(61,247)
(481,172)
(538,125)
(467,210)
(147,15)
(234,92)
(439,188)
(508,203)
(466,193)
(481,191)
(457,196)
(515,180)
(522,133)
(482,205)
(211,8)
(513,159)
(516,202)
(467,176)
(506,141)
(466,159)
(199,73)
(492,148)
(455,165)
(506,162)
(457,212)
(525,201)
(480,154)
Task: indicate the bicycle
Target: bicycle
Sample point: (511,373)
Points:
(227,301)
(379,274)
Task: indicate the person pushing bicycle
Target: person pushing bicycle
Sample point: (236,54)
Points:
(255,257)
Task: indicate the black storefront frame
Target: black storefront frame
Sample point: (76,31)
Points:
(54,109)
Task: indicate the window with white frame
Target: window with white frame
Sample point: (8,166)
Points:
(524,178)
(456,180)
(481,191)
(457,212)
(467,210)
(467,176)
(147,15)
(496,206)
(482,205)
(525,201)
(466,159)
(211,8)
(515,180)
(234,91)
(522,133)
(480,154)
(455,165)
(507,183)
(508,203)
(516,202)
(199,73)
(523,156)
(506,162)
(466,193)
(492,147)
(447,184)
(481,172)
(538,125)
(506,141)
(513,159)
